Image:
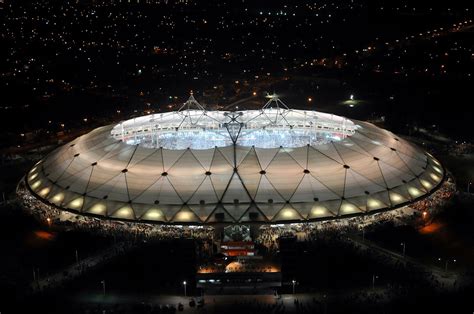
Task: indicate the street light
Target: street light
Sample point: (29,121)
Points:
(49,221)
(446,263)
(404,246)
(103,287)
(294,283)
(325,304)
(425,216)
(373,280)
(184,285)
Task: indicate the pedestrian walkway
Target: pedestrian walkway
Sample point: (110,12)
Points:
(77,269)
(442,279)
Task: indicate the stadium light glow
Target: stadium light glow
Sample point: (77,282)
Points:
(153,214)
(44,192)
(414,191)
(426,184)
(396,198)
(58,198)
(373,203)
(348,208)
(76,204)
(98,209)
(124,212)
(319,211)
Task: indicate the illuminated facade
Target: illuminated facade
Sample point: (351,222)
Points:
(273,165)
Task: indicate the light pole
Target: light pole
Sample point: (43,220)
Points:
(37,276)
(103,287)
(77,257)
(184,285)
(404,246)
(325,304)
(446,263)
(373,280)
(425,218)
(49,221)
(293,283)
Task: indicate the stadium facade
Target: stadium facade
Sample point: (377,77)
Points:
(274,165)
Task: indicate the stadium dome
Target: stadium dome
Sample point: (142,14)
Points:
(273,165)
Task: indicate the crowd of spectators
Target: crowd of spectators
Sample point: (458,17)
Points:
(435,201)
(117,229)
(269,235)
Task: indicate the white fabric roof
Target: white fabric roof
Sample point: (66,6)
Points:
(370,170)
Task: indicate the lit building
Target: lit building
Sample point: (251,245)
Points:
(194,166)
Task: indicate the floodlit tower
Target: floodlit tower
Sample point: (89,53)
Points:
(191,111)
(274,102)
(275,110)
(191,104)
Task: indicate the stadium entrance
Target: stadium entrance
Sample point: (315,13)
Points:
(238,267)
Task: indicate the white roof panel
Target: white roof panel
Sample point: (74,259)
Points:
(331,166)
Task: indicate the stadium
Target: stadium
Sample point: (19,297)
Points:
(274,165)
